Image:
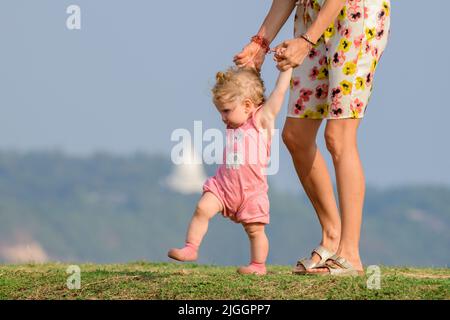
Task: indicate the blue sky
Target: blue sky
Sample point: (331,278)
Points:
(139,69)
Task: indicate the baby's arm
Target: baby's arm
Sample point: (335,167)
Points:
(274,103)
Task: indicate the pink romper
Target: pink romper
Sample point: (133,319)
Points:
(240,182)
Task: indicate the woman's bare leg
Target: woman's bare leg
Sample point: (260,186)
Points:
(299,135)
(341,140)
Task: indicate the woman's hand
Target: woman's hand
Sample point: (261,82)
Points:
(291,53)
(251,56)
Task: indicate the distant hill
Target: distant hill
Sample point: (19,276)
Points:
(106,208)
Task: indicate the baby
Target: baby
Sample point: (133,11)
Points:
(239,188)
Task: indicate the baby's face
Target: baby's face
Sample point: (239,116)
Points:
(235,113)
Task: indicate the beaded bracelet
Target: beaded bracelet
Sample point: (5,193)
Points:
(263,42)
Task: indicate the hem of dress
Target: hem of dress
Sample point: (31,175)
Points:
(339,118)
(261,219)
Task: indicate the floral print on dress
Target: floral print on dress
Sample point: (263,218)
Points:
(336,79)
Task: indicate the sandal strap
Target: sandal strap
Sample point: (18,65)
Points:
(306,263)
(340,262)
(338,265)
(323,253)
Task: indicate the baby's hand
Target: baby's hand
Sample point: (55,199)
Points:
(279,51)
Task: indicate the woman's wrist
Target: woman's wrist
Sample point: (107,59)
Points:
(262,42)
(308,39)
(305,42)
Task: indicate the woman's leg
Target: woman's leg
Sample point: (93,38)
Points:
(259,249)
(299,135)
(341,141)
(207,207)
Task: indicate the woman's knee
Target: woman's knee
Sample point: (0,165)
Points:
(338,142)
(297,140)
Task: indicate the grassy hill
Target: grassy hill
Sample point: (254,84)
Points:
(143,280)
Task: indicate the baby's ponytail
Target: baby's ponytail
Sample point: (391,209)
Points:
(220,77)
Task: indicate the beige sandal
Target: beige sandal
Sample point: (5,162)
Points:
(338,266)
(307,263)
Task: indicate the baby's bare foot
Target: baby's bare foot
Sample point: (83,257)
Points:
(253,268)
(188,253)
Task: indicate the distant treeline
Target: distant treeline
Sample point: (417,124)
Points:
(106,208)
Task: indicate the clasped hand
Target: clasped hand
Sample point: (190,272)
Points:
(289,54)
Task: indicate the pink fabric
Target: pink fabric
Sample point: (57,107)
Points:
(242,187)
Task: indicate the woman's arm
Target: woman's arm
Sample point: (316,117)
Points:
(294,51)
(327,14)
(278,14)
(253,55)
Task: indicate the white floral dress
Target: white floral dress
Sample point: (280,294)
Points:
(335,80)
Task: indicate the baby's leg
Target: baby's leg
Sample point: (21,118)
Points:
(259,248)
(207,207)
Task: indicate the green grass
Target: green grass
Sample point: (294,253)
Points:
(143,280)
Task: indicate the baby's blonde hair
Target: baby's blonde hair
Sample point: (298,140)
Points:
(238,83)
